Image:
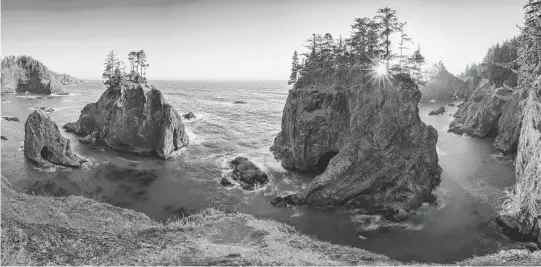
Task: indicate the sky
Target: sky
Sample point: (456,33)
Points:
(236,39)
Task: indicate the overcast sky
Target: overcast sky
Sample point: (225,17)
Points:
(235,39)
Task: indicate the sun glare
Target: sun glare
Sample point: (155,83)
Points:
(380,70)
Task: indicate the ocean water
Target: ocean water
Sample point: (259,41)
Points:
(474,176)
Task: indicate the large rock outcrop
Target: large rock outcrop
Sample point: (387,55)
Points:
(523,209)
(25,74)
(373,149)
(492,112)
(470,84)
(442,86)
(44,144)
(132,118)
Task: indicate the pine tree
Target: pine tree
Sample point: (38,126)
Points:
(389,24)
(416,61)
(294,69)
(110,65)
(404,40)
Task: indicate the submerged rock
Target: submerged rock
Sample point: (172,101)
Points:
(247,174)
(451,105)
(225,182)
(370,144)
(44,144)
(46,109)
(25,74)
(10,118)
(128,117)
(437,111)
(442,86)
(3,138)
(492,112)
(240,102)
(189,116)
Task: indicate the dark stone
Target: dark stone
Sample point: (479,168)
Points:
(70,127)
(46,109)
(10,118)
(281,202)
(247,174)
(240,102)
(189,116)
(437,111)
(44,144)
(225,182)
(3,138)
(451,105)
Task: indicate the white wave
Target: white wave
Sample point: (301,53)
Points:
(432,101)
(440,151)
(6,101)
(194,138)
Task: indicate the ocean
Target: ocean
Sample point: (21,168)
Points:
(474,177)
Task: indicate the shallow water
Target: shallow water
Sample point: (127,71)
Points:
(474,176)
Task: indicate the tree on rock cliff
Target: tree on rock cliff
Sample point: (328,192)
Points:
(415,62)
(294,69)
(111,64)
(389,25)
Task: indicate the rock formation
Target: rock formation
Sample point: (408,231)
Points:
(370,143)
(44,144)
(129,117)
(442,86)
(25,74)
(247,174)
(7,118)
(470,84)
(437,111)
(523,218)
(189,116)
(492,112)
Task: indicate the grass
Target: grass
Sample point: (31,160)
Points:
(44,230)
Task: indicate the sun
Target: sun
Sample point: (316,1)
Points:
(380,70)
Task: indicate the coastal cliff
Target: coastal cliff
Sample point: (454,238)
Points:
(442,86)
(372,148)
(132,118)
(24,74)
(492,112)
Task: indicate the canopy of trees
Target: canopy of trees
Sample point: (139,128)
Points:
(499,65)
(368,46)
(115,70)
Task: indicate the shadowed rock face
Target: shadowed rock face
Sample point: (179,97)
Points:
(441,86)
(491,112)
(134,119)
(25,74)
(524,207)
(44,144)
(247,174)
(373,149)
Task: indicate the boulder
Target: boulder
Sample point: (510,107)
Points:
(442,86)
(44,144)
(70,127)
(225,182)
(437,111)
(451,105)
(368,143)
(131,118)
(3,138)
(189,116)
(10,118)
(247,174)
(492,112)
(240,102)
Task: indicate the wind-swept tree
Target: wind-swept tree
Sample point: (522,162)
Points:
(294,69)
(111,63)
(132,56)
(416,62)
(389,24)
(404,40)
(141,58)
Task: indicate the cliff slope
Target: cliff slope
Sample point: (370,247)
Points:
(373,149)
(132,118)
(492,112)
(25,74)
(441,86)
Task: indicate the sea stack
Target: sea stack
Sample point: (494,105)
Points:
(133,118)
(44,144)
(24,74)
(368,142)
(442,86)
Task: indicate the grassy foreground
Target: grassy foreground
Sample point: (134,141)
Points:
(40,230)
